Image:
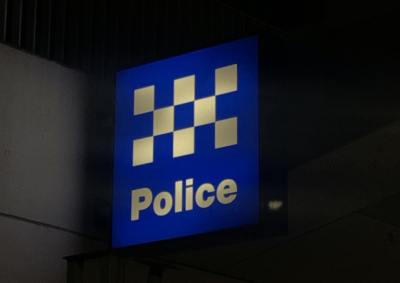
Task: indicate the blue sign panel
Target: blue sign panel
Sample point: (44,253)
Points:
(186,145)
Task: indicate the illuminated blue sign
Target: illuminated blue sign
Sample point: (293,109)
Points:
(186,145)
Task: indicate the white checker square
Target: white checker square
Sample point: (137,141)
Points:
(204,111)
(184,142)
(226,79)
(184,90)
(163,121)
(226,132)
(143,151)
(143,100)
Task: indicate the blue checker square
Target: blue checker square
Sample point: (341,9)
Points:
(138,127)
(184,116)
(186,151)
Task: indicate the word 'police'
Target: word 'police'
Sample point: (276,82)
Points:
(163,202)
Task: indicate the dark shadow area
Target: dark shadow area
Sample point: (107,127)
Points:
(99,158)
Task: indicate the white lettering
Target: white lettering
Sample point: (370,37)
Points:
(162,204)
(161,211)
(178,196)
(201,202)
(226,192)
(189,194)
(137,205)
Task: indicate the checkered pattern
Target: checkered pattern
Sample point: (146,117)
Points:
(204,113)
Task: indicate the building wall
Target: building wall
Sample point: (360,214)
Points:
(48,204)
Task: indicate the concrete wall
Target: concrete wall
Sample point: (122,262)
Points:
(50,203)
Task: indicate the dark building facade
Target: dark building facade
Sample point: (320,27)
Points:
(58,61)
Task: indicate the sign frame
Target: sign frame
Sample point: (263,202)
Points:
(272,172)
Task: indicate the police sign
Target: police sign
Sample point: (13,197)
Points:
(186,145)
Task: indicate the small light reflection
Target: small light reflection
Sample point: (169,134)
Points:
(275,205)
